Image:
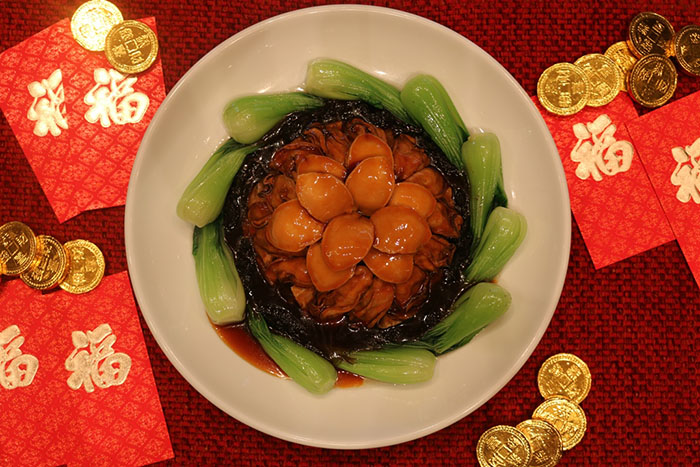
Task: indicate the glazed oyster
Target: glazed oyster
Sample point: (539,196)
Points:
(345,227)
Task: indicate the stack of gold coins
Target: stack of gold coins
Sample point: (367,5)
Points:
(557,425)
(130,46)
(43,263)
(653,79)
(641,65)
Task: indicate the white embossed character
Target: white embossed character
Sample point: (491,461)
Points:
(114,100)
(598,152)
(94,361)
(16,369)
(686,175)
(48,109)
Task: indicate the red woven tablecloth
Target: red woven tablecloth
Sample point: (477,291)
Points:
(636,323)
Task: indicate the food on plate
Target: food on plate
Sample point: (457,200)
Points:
(358,226)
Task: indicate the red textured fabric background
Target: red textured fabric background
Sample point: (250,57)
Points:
(636,323)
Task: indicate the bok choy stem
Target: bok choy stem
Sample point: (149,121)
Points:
(337,80)
(219,285)
(204,197)
(248,118)
(473,311)
(503,234)
(398,365)
(481,155)
(311,371)
(428,103)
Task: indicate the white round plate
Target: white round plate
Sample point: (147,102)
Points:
(272,57)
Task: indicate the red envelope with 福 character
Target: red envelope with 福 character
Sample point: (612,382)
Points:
(82,132)
(612,199)
(668,140)
(76,384)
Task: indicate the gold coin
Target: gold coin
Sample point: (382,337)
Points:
(503,446)
(650,33)
(545,442)
(568,418)
(18,248)
(652,80)
(623,57)
(51,267)
(604,78)
(87,267)
(131,47)
(92,21)
(564,375)
(563,89)
(686,46)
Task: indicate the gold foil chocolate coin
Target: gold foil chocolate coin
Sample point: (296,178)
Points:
(623,57)
(564,375)
(503,446)
(92,21)
(51,267)
(687,49)
(131,47)
(18,248)
(563,89)
(87,267)
(652,80)
(604,78)
(650,33)
(545,442)
(568,418)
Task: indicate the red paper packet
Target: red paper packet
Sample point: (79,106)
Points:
(611,197)
(47,422)
(81,165)
(668,140)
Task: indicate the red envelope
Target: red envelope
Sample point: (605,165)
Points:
(611,197)
(81,164)
(93,399)
(668,140)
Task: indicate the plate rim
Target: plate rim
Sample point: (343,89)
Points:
(506,377)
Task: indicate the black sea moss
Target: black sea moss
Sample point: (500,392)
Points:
(277,305)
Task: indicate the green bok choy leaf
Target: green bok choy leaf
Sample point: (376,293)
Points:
(333,79)
(398,365)
(219,285)
(310,370)
(473,311)
(503,234)
(428,103)
(204,197)
(248,118)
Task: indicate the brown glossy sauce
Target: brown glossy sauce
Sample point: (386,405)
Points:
(348,380)
(238,338)
(240,341)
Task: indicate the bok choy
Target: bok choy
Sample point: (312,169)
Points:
(398,365)
(481,155)
(311,371)
(333,79)
(204,197)
(219,285)
(473,311)
(428,103)
(248,118)
(503,234)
